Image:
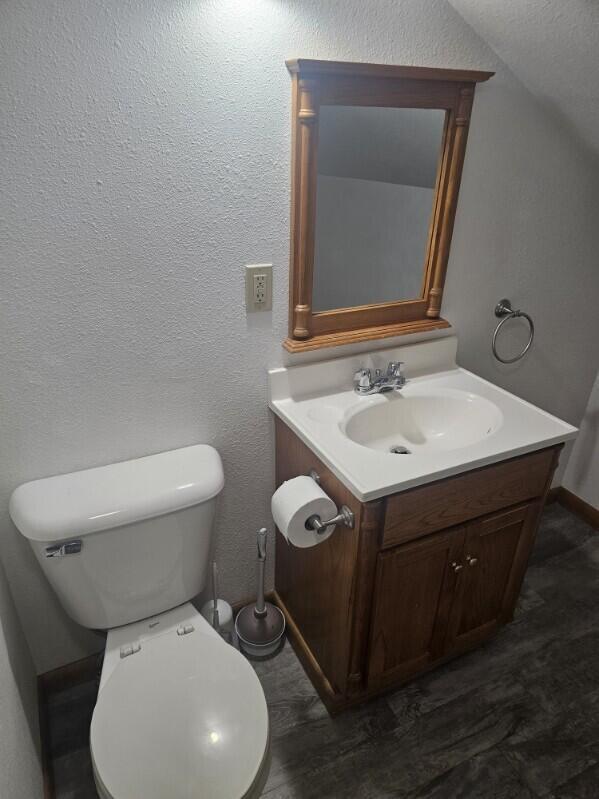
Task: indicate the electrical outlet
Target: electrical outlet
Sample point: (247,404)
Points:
(258,287)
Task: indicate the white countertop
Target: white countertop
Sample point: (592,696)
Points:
(317,400)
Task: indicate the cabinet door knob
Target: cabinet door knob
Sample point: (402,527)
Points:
(471,561)
(457,566)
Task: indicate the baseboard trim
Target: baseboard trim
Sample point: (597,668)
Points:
(577,506)
(552,495)
(71,674)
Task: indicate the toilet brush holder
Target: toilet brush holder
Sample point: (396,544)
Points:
(260,626)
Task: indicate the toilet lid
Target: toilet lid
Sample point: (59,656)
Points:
(184,717)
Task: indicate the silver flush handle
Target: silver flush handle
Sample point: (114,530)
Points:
(60,550)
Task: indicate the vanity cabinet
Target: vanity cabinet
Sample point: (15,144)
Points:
(440,595)
(425,575)
(413,591)
(493,561)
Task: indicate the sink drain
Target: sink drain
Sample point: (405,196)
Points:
(399,450)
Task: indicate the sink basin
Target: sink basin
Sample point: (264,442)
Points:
(418,421)
(445,419)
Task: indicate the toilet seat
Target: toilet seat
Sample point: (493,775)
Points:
(185,716)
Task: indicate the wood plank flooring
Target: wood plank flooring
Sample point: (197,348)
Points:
(516,719)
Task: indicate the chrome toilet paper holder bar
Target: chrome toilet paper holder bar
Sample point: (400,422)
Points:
(345,516)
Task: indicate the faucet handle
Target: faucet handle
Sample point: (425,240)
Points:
(363,379)
(394,368)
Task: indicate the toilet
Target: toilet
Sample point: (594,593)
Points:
(180,713)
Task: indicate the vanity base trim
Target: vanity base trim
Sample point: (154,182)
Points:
(364,334)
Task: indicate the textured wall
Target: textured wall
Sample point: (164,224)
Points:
(20,769)
(552,47)
(582,474)
(145,161)
(526,229)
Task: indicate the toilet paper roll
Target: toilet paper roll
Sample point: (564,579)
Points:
(292,505)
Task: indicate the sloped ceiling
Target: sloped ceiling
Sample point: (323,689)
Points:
(552,46)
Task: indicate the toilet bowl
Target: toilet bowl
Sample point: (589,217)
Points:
(180,713)
(183,715)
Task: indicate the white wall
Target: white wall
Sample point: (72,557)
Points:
(146,159)
(582,473)
(20,769)
(370,241)
(526,229)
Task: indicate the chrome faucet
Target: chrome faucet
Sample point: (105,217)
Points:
(392,380)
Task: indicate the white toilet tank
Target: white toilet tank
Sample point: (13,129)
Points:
(123,542)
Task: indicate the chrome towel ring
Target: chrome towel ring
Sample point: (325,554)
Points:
(504,311)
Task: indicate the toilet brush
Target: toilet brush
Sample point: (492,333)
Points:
(260,625)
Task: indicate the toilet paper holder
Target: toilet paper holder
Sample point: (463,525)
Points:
(345,516)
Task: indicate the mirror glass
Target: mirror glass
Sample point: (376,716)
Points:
(377,169)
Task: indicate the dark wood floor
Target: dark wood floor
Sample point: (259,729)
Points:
(517,718)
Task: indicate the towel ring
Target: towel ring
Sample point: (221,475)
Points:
(504,311)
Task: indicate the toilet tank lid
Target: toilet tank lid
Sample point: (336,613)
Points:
(105,497)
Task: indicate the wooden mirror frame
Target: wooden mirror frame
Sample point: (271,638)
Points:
(316,83)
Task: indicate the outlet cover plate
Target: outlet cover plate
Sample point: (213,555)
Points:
(251,303)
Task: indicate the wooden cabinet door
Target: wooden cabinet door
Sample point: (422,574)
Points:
(413,595)
(493,563)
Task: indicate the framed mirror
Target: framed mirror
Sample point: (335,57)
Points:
(377,159)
